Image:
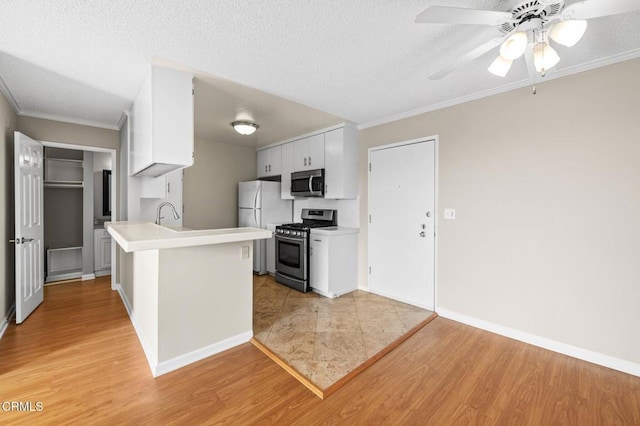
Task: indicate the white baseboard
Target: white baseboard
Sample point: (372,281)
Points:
(7,318)
(102,273)
(86,277)
(151,360)
(158,369)
(191,357)
(552,345)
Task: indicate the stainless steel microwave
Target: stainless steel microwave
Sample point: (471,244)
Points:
(308,183)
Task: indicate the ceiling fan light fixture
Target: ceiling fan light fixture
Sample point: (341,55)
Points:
(500,66)
(244,128)
(514,46)
(544,57)
(568,33)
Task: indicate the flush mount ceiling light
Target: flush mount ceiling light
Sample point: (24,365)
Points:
(245,128)
(525,29)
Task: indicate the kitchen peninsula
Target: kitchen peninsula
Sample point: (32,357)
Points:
(189,293)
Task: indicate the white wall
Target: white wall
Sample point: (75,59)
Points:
(8,124)
(211,184)
(546,238)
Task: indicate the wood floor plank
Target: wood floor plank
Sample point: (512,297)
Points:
(79,355)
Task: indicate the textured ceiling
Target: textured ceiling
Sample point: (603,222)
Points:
(361,60)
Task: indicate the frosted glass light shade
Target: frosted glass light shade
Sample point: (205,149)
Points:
(544,57)
(514,46)
(568,33)
(245,128)
(500,66)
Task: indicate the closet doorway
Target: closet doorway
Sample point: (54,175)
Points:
(78,199)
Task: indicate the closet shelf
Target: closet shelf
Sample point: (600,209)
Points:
(69,184)
(65,160)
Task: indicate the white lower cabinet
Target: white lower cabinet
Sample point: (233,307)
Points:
(333,261)
(101,252)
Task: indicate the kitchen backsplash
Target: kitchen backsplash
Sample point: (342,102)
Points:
(348,210)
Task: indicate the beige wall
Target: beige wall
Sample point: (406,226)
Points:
(8,123)
(57,131)
(546,238)
(210,190)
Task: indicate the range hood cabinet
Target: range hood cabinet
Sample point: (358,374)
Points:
(162,124)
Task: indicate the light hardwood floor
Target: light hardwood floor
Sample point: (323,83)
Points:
(79,356)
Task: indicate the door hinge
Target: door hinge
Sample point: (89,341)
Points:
(369,218)
(369,270)
(193,92)
(369,166)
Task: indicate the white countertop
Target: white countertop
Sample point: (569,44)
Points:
(334,230)
(136,236)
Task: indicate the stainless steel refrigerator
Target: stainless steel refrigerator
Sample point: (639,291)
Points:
(259,204)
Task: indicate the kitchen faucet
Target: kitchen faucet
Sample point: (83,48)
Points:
(166,203)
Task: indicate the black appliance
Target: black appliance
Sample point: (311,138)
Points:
(292,247)
(308,183)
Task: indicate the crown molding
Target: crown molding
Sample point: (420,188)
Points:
(9,96)
(70,120)
(610,60)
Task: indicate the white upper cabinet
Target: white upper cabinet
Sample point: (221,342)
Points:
(162,124)
(287,169)
(335,149)
(309,153)
(341,163)
(270,161)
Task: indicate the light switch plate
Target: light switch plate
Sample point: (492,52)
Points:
(245,252)
(450,214)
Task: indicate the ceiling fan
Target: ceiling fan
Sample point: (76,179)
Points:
(526,30)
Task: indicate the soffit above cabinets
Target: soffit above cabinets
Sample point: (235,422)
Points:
(364,61)
(218,102)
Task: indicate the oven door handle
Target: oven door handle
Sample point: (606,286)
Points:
(294,239)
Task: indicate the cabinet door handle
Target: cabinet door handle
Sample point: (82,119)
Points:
(265,168)
(309,160)
(269,167)
(305,161)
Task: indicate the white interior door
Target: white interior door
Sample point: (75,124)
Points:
(29,228)
(402,225)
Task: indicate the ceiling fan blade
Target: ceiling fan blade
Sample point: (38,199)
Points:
(468,57)
(457,15)
(596,8)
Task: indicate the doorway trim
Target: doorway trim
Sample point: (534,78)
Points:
(114,184)
(436,172)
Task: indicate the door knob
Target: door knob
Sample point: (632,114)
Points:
(422,234)
(428,214)
(21,240)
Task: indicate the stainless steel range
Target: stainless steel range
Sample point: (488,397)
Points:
(292,247)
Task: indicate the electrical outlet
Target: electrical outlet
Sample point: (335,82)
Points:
(245,252)
(450,214)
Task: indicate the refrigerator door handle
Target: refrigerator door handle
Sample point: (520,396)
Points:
(255,199)
(255,217)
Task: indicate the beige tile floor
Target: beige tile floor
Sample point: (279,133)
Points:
(325,339)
